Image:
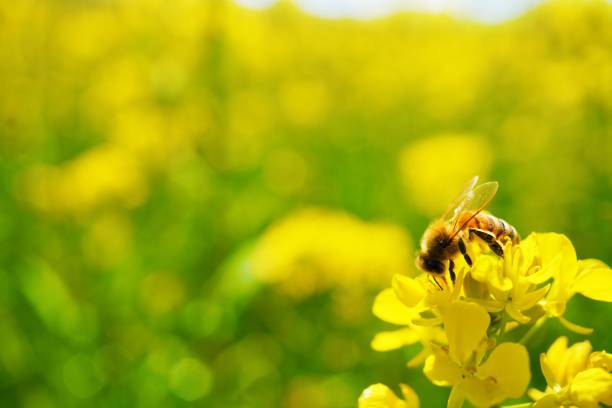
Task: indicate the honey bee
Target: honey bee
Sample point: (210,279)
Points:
(464,220)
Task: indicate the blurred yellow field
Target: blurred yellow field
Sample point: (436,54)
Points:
(202,202)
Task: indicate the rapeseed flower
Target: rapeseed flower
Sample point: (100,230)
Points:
(575,376)
(462,325)
(413,303)
(389,308)
(381,396)
(590,277)
(462,364)
(513,283)
(536,278)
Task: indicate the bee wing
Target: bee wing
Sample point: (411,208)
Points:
(475,201)
(456,206)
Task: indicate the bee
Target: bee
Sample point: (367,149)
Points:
(463,221)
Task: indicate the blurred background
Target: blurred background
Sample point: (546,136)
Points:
(200,199)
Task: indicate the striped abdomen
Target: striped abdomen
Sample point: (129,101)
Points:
(495,225)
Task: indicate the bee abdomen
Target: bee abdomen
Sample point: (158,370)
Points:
(497,226)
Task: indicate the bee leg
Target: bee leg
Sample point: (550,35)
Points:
(433,278)
(463,250)
(490,240)
(451,266)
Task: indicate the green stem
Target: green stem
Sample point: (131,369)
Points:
(500,335)
(532,330)
(502,329)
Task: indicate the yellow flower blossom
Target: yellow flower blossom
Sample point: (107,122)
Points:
(423,298)
(381,396)
(513,282)
(575,376)
(452,320)
(389,308)
(590,277)
(504,374)
(414,303)
(516,282)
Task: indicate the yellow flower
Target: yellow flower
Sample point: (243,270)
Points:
(575,376)
(381,396)
(504,374)
(589,277)
(512,282)
(405,303)
(423,298)
(452,321)
(389,308)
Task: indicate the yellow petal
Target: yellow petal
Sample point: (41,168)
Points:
(486,269)
(465,325)
(456,292)
(497,276)
(409,291)
(584,264)
(548,401)
(595,283)
(514,313)
(439,298)
(554,304)
(555,362)
(456,397)
(577,359)
(508,364)
(551,244)
(529,249)
(535,394)
(541,275)
(499,295)
(511,326)
(474,288)
(600,359)
(552,376)
(607,401)
(410,397)
(550,247)
(491,306)
(481,267)
(574,327)
(529,299)
(442,370)
(380,396)
(391,340)
(592,385)
(418,359)
(482,392)
(387,307)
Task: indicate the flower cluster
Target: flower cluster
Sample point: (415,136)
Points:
(464,327)
(575,376)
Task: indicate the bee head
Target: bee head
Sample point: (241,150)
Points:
(429,264)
